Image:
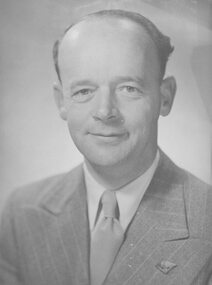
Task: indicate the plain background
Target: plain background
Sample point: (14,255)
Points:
(34,141)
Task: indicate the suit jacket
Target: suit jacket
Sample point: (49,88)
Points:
(45,234)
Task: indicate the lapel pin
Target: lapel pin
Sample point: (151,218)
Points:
(165,266)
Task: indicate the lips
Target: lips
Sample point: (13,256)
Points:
(107,134)
(109,137)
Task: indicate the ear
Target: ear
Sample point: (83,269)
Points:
(167,90)
(59,100)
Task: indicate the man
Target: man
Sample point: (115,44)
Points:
(128,215)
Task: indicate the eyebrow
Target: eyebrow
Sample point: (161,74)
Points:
(116,80)
(82,82)
(121,79)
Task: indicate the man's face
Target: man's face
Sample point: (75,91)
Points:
(111,91)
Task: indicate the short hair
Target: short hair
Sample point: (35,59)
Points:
(161,41)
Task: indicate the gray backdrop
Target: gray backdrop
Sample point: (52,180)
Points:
(34,142)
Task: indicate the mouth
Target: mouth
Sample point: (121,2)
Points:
(109,137)
(107,134)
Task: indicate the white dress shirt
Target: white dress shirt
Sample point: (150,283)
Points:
(128,197)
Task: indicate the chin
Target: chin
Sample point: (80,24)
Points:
(106,156)
(104,159)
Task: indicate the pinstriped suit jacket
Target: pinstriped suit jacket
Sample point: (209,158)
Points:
(45,237)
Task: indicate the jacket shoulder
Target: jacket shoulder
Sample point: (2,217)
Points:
(169,171)
(197,197)
(32,194)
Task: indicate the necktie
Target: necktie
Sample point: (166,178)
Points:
(107,239)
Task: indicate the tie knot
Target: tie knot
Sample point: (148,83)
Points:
(109,204)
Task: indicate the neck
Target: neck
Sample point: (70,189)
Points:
(116,176)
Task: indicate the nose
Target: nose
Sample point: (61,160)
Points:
(106,106)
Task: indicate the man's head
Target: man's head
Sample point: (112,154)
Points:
(111,89)
(162,42)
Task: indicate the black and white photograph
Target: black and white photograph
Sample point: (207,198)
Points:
(106,142)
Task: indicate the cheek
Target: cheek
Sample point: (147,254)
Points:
(75,120)
(141,122)
(137,116)
(78,118)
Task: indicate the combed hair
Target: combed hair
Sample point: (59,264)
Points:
(162,42)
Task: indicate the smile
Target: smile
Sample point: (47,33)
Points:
(109,137)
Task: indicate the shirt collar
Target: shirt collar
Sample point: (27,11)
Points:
(129,196)
(94,193)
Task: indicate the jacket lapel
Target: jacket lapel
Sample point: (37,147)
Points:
(161,217)
(68,207)
(79,218)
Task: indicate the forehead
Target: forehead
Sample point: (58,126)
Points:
(106,29)
(109,46)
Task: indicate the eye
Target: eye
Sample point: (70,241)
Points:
(84,91)
(83,94)
(129,90)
